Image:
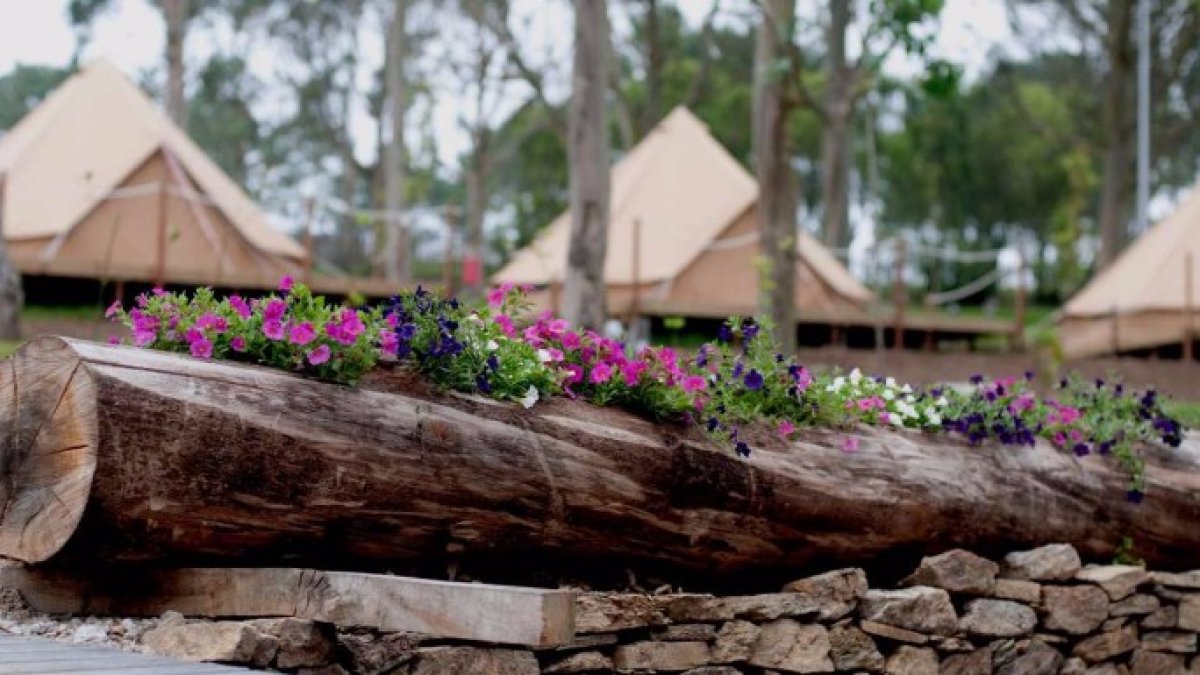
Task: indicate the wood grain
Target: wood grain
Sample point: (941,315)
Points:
(479,612)
(188,463)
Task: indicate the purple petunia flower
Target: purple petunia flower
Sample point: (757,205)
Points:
(754,380)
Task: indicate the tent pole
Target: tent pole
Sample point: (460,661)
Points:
(1020,301)
(1116,335)
(899,294)
(310,207)
(160,267)
(635,300)
(1188,336)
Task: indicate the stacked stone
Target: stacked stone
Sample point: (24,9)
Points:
(1039,612)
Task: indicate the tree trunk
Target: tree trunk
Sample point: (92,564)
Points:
(126,455)
(654,67)
(1118,155)
(584,297)
(776,190)
(176,14)
(397,249)
(11,296)
(476,180)
(835,138)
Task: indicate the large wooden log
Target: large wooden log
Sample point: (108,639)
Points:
(128,455)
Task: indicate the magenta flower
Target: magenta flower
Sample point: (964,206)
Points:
(506,325)
(319,355)
(141,338)
(786,429)
(559,326)
(389,344)
(113,309)
(114,340)
(239,305)
(158,290)
(352,324)
(694,383)
(286,282)
(574,373)
(601,373)
(850,444)
(632,372)
(497,295)
(570,340)
(238,344)
(273,329)
(193,335)
(202,348)
(274,310)
(302,333)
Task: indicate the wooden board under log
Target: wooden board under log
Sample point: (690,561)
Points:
(128,455)
(531,617)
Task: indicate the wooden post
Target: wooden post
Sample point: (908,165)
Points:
(448,257)
(635,299)
(900,294)
(1018,339)
(160,266)
(1188,330)
(1116,331)
(310,210)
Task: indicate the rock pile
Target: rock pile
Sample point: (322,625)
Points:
(1038,612)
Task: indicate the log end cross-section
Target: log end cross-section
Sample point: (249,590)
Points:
(47,448)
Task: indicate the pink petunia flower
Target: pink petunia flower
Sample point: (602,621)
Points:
(319,355)
(632,372)
(302,333)
(506,325)
(850,444)
(352,323)
(570,340)
(574,373)
(497,295)
(114,340)
(786,429)
(238,344)
(202,348)
(559,326)
(601,373)
(389,344)
(239,305)
(113,309)
(286,282)
(273,329)
(694,383)
(274,310)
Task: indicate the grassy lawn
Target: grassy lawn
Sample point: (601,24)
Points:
(83,312)
(7,347)
(1187,412)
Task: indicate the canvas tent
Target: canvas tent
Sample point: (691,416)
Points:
(1146,298)
(98,183)
(692,207)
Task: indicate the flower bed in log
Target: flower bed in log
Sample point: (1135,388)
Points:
(726,386)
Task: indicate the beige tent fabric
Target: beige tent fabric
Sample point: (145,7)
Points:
(688,194)
(1145,287)
(85,139)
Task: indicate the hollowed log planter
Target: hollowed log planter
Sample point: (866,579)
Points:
(127,455)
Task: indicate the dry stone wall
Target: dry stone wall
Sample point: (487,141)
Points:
(1038,612)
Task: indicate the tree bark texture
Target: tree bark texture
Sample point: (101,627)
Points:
(12,297)
(176,14)
(835,137)
(117,454)
(1118,131)
(397,248)
(777,192)
(584,298)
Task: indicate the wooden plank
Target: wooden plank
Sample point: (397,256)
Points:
(29,656)
(480,612)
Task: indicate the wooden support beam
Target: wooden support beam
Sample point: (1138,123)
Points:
(445,609)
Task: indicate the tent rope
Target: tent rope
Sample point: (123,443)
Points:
(964,291)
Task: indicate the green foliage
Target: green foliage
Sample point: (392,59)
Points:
(22,88)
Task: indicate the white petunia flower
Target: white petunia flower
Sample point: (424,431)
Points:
(855,375)
(942,402)
(934,419)
(889,394)
(890,382)
(544,357)
(530,397)
(906,389)
(492,345)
